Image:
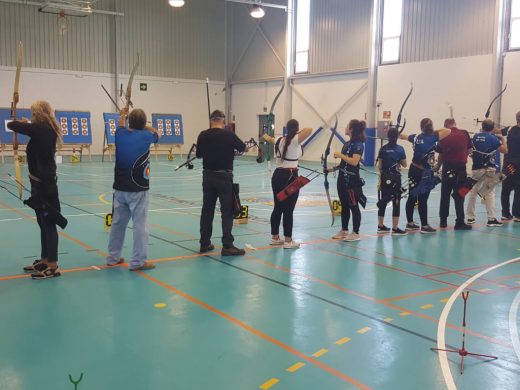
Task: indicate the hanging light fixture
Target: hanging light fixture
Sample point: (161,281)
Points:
(176,3)
(257,12)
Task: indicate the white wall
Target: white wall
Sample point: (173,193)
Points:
(82,92)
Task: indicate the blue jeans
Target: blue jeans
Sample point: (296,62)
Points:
(126,205)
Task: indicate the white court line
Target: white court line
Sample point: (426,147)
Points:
(441,329)
(513,328)
(10,219)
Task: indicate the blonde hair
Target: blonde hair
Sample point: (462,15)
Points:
(43,113)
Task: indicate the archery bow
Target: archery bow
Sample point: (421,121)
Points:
(253,144)
(488,111)
(16,99)
(398,124)
(325,172)
(111,98)
(128,93)
(188,164)
(207,96)
(270,126)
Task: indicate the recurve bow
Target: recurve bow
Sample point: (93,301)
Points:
(16,99)
(398,124)
(325,173)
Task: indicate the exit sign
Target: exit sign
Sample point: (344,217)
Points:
(143,87)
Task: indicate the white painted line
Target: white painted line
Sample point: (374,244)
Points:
(513,328)
(10,219)
(441,328)
(96,268)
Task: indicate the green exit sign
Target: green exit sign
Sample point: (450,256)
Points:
(143,87)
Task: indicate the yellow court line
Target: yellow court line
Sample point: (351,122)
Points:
(388,319)
(404,314)
(363,330)
(444,300)
(295,367)
(321,352)
(428,306)
(342,341)
(270,383)
(102,198)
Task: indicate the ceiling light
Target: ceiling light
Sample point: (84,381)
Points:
(176,3)
(257,12)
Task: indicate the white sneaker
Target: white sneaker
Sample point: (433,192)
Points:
(341,235)
(275,242)
(352,237)
(291,245)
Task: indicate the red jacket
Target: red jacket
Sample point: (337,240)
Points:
(455,147)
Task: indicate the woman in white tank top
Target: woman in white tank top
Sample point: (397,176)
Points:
(288,151)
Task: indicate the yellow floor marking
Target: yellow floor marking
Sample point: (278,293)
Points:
(484,290)
(404,314)
(502,286)
(160,305)
(428,306)
(444,300)
(321,352)
(270,383)
(363,330)
(296,367)
(388,319)
(342,341)
(102,198)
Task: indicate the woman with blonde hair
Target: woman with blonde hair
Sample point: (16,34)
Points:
(44,133)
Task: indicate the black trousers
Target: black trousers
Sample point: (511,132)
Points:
(415,176)
(216,185)
(510,184)
(281,179)
(388,192)
(349,205)
(452,177)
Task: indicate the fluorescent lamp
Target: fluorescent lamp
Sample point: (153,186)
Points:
(176,3)
(257,12)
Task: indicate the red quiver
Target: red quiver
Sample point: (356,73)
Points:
(292,188)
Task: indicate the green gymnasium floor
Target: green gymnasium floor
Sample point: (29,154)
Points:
(330,315)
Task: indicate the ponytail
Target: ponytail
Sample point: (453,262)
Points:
(292,130)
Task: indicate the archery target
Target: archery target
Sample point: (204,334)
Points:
(168,127)
(64,126)
(84,126)
(112,126)
(177,127)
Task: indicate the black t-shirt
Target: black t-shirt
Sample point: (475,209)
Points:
(217,148)
(40,150)
(513,145)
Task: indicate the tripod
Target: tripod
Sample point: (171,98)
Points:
(462,352)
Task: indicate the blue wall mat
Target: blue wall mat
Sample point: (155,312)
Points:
(111,120)
(6,135)
(75,127)
(169,127)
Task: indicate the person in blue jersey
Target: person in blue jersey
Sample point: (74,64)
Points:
(424,145)
(485,145)
(131,185)
(390,159)
(350,182)
(511,169)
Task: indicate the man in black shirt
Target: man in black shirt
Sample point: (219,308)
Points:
(512,170)
(217,146)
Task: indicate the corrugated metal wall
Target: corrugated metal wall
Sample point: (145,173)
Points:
(437,29)
(339,35)
(181,43)
(250,55)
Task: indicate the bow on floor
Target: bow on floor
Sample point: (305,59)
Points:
(16,99)
(399,116)
(325,172)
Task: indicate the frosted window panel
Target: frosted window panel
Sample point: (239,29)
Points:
(515,34)
(392,18)
(390,50)
(515,9)
(302,25)
(302,62)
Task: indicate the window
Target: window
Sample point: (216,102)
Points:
(514,36)
(392,20)
(303,17)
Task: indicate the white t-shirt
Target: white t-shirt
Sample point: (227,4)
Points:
(294,152)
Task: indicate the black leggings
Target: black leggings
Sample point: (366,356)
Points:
(389,193)
(281,179)
(349,204)
(510,184)
(415,175)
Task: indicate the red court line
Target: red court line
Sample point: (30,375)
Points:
(460,270)
(257,332)
(417,294)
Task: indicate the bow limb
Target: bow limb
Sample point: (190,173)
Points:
(128,93)
(324,158)
(270,120)
(16,99)
(488,111)
(399,116)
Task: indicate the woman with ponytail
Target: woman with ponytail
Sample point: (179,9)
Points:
(288,151)
(390,159)
(44,133)
(350,182)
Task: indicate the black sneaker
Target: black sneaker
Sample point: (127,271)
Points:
(37,265)
(383,229)
(412,226)
(507,217)
(462,226)
(232,251)
(426,229)
(471,221)
(493,223)
(47,273)
(398,232)
(209,248)
(443,224)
